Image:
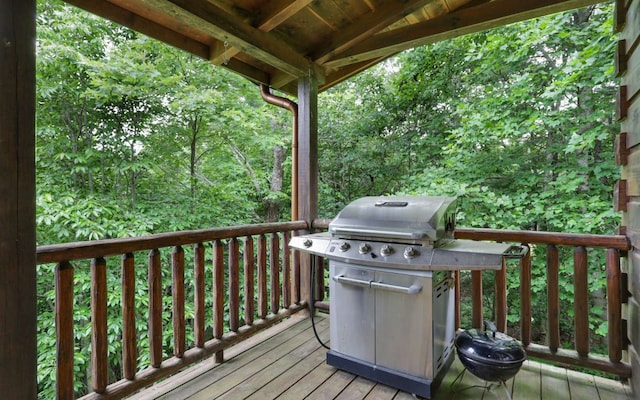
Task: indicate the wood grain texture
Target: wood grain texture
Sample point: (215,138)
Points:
(110,247)
(581,300)
(614,307)
(274,272)
(525,299)
(234,285)
(18,297)
(64,331)
(99,344)
(155,308)
(199,293)
(262,277)
(129,343)
(249,280)
(553,298)
(177,299)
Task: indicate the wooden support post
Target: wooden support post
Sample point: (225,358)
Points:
(307,168)
(18,352)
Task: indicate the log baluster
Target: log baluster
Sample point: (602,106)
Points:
(218,294)
(553,298)
(249,274)
(456,275)
(525,298)
(129,345)
(274,272)
(286,271)
(99,346)
(198,300)
(296,276)
(155,308)
(501,297)
(177,295)
(262,276)
(476,295)
(614,308)
(581,301)
(234,283)
(64,330)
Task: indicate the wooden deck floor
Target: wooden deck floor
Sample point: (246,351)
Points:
(286,362)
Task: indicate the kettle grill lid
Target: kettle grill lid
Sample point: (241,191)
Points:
(489,347)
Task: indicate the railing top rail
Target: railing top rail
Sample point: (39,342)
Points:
(110,247)
(619,242)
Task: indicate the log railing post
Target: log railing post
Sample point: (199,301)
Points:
(501,297)
(274,272)
(249,281)
(64,330)
(155,308)
(177,296)
(553,298)
(262,277)
(525,298)
(198,301)
(129,345)
(99,345)
(286,270)
(614,308)
(476,298)
(218,294)
(234,285)
(581,301)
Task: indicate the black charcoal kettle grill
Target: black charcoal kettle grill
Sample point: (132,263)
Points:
(490,355)
(391,265)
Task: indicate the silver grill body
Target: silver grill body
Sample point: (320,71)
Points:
(391,263)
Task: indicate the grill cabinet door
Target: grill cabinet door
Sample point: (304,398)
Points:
(352,313)
(404,322)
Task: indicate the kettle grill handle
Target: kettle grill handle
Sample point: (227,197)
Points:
(490,326)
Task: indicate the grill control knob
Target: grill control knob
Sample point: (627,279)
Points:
(386,250)
(364,248)
(410,252)
(344,246)
(307,243)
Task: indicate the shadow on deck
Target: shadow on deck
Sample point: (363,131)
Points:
(286,362)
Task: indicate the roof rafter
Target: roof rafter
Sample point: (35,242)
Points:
(231,29)
(461,22)
(278,12)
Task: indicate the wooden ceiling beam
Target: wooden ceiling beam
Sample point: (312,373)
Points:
(276,13)
(461,22)
(124,17)
(365,27)
(233,30)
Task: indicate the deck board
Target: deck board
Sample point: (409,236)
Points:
(287,363)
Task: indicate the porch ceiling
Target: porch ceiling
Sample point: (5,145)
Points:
(276,41)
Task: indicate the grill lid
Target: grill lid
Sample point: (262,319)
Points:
(415,219)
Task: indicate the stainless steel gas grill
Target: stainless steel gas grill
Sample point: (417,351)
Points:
(391,262)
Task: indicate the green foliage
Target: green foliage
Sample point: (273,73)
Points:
(135,138)
(517,122)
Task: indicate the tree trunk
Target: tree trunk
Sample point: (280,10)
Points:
(271,201)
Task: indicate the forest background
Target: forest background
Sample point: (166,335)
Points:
(135,137)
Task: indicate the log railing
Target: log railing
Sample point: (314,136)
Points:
(551,350)
(268,269)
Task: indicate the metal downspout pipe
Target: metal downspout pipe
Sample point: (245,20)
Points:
(290,105)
